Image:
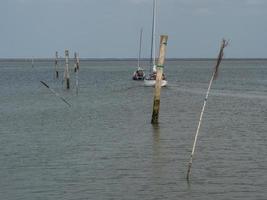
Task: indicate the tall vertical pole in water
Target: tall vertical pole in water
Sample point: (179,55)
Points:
(76,70)
(78,61)
(56,65)
(160,66)
(67,74)
(75,61)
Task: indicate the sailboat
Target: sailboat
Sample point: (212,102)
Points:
(139,74)
(150,80)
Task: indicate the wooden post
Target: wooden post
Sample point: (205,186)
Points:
(56,65)
(214,76)
(75,61)
(76,70)
(55,93)
(160,66)
(78,62)
(66,74)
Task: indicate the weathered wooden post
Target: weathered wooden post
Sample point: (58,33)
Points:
(75,61)
(66,72)
(160,66)
(76,70)
(78,62)
(56,65)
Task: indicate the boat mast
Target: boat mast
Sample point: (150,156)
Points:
(152,53)
(140,47)
(154,37)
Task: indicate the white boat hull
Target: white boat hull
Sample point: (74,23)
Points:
(152,83)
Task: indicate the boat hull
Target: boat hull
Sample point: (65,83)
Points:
(139,74)
(152,83)
(138,78)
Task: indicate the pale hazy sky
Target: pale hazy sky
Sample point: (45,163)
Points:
(110,28)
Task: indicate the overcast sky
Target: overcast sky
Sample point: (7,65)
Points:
(110,28)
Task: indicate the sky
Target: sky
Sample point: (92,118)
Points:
(110,28)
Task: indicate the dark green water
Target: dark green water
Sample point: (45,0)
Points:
(104,147)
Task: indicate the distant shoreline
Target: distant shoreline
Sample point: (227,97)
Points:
(128,59)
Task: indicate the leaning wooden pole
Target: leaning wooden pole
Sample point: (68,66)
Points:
(214,76)
(55,93)
(160,66)
(67,74)
(56,66)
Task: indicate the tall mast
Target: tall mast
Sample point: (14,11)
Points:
(154,32)
(152,53)
(140,47)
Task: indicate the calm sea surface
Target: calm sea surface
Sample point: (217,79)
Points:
(104,147)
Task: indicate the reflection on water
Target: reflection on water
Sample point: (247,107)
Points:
(156,134)
(156,142)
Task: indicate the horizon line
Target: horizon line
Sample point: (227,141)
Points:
(129,58)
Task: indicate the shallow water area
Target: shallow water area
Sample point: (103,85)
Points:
(104,147)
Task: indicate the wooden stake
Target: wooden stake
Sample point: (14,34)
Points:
(160,66)
(214,75)
(75,61)
(56,65)
(66,72)
(77,67)
(78,62)
(55,93)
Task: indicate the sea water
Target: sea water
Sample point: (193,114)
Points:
(104,147)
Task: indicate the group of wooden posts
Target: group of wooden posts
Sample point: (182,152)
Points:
(66,76)
(156,103)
